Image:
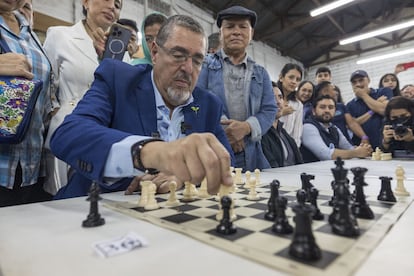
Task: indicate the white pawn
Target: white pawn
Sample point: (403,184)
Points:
(144,193)
(193,189)
(376,155)
(172,199)
(187,193)
(152,203)
(257,175)
(202,191)
(252,193)
(400,176)
(247,181)
(238,177)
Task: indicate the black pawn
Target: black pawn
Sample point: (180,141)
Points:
(360,207)
(303,245)
(271,204)
(313,200)
(281,225)
(94,218)
(386,193)
(226,227)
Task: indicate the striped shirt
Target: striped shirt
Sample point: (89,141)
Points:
(29,151)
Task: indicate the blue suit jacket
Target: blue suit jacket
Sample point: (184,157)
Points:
(120,103)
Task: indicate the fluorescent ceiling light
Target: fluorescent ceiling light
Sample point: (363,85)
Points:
(329,7)
(377,32)
(390,55)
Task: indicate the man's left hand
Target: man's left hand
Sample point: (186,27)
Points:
(235,130)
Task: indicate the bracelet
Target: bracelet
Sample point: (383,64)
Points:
(136,155)
(364,137)
(370,112)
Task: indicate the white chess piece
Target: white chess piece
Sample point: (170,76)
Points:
(143,199)
(252,193)
(172,199)
(400,176)
(257,175)
(188,193)
(247,181)
(202,191)
(152,203)
(238,180)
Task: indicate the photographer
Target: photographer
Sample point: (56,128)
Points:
(398,127)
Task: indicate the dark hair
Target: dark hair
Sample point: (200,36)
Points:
(285,70)
(184,21)
(214,40)
(128,22)
(396,90)
(320,98)
(407,85)
(85,12)
(340,100)
(399,102)
(323,70)
(302,83)
(154,18)
(321,86)
(274,84)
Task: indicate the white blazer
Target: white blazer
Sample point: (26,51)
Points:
(74,60)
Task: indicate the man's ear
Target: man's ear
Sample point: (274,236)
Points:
(154,51)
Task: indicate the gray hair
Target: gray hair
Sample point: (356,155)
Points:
(178,20)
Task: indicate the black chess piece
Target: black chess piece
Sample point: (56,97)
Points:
(339,173)
(281,225)
(226,226)
(94,218)
(386,193)
(313,200)
(306,184)
(303,245)
(360,207)
(342,221)
(271,204)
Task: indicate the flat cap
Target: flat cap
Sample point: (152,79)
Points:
(236,11)
(358,73)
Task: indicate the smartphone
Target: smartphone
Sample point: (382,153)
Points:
(117,42)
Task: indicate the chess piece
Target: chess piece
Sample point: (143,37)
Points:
(94,218)
(202,191)
(306,184)
(252,192)
(281,225)
(225,191)
(339,173)
(271,203)
(226,226)
(188,193)
(143,199)
(385,156)
(400,176)
(386,193)
(376,155)
(360,207)
(313,193)
(172,198)
(342,221)
(152,203)
(257,176)
(303,244)
(238,180)
(247,180)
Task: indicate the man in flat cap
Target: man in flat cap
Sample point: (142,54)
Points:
(244,87)
(368,107)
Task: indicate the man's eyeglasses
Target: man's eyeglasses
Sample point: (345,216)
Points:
(181,56)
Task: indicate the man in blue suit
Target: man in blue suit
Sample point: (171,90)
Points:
(113,133)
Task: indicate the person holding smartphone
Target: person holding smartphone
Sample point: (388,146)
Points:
(74,60)
(398,127)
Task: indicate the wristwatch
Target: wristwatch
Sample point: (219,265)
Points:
(136,155)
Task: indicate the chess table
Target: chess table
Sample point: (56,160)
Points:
(47,238)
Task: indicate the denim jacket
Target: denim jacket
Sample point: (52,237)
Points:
(260,103)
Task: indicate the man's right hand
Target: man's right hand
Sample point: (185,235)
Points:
(191,159)
(16,65)
(363,150)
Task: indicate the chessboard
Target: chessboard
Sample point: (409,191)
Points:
(255,239)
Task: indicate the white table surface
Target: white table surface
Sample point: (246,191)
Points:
(47,238)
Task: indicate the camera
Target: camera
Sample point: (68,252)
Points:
(117,42)
(401,125)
